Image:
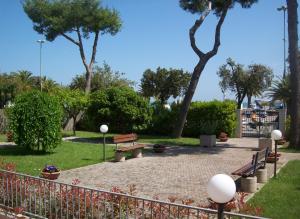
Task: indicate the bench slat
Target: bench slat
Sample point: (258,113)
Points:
(124,138)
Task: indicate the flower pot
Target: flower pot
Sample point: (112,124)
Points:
(271,159)
(281,142)
(223,137)
(272,154)
(50,176)
(158,148)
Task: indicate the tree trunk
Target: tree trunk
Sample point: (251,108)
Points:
(295,75)
(74,125)
(88,77)
(203,59)
(249,101)
(188,98)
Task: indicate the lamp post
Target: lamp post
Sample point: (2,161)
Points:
(284,8)
(276,135)
(221,189)
(41,43)
(103,130)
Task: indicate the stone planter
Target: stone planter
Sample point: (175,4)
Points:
(207,140)
(264,143)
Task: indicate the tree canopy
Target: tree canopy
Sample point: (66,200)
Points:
(164,83)
(71,19)
(72,101)
(103,78)
(249,82)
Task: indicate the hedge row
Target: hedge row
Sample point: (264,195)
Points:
(211,118)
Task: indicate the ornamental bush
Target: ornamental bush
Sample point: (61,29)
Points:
(35,121)
(211,117)
(121,108)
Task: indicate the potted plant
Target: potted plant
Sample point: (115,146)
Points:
(208,134)
(271,157)
(281,141)
(223,137)
(159,148)
(50,172)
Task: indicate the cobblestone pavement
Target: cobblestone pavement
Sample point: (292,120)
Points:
(181,171)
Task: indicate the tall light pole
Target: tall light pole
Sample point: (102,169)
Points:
(284,8)
(41,43)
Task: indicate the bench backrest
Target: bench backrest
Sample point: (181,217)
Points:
(259,159)
(125,138)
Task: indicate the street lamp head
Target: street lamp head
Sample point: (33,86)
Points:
(276,135)
(103,129)
(282,8)
(40,41)
(221,188)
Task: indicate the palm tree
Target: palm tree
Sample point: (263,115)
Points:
(281,90)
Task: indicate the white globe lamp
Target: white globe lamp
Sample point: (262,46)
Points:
(103,128)
(276,135)
(221,189)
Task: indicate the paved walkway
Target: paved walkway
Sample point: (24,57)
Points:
(182,171)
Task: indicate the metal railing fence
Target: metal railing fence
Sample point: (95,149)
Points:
(42,198)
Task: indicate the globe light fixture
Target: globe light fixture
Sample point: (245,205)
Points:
(221,189)
(167,106)
(103,130)
(276,135)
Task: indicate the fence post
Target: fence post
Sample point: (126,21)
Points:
(238,130)
(282,120)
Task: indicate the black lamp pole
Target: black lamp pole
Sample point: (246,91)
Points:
(275,163)
(221,210)
(103,146)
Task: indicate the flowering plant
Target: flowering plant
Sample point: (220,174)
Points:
(50,169)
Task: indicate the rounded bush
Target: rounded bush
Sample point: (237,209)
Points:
(122,109)
(35,121)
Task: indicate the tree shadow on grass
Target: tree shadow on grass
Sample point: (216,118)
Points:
(92,140)
(14,150)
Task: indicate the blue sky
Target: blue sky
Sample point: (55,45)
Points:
(154,33)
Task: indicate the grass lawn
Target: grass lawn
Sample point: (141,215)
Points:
(84,134)
(289,150)
(3,138)
(152,139)
(280,197)
(169,141)
(68,155)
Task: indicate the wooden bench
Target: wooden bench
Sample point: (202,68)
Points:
(133,147)
(258,161)
(249,178)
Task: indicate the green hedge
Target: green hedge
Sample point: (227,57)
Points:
(210,118)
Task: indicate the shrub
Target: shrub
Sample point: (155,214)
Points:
(213,117)
(35,121)
(162,122)
(121,108)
